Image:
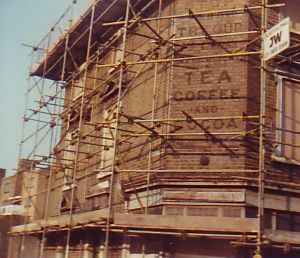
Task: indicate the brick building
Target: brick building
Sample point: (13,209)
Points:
(2,172)
(168,134)
(10,209)
(10,188)
(19,202)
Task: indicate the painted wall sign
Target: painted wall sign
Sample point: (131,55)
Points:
(208,77)
(205,109)
(217,124)
(228,27)
(277,39)
(210,60)
(222,196)
(206,94)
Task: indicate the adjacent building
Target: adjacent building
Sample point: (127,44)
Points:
(20,201)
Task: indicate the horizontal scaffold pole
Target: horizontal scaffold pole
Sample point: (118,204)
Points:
(187,15)
(180,59)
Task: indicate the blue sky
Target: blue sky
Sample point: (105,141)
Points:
(21,21)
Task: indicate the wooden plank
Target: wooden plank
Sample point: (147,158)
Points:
(185,222)
(25,228)
(90,216)
(62,221)
(276,202)
(283,236)
(82,218)
(216,196)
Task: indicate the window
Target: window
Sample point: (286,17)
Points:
(7,188)
(69,157)
(155,210)
(30,182)
(288,120)
(283,221)
(65,204)
(174,210)
(74,117)
(116,53)
(77,88)
(296,223)
(97,202)
(6,203)
(233,212)
(108,134)
(203,211)
(27,202)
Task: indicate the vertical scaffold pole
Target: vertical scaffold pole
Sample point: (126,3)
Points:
(41,91)
(53,138)
(118,107)
(154,98)
(79,129)
(261,136)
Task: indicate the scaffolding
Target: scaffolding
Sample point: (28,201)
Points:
(75,139)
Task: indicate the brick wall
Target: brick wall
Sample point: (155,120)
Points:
(6,222)
(208,89)
(214,90)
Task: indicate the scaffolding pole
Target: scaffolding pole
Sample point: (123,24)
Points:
(261,178)
(91,134)
(115,141)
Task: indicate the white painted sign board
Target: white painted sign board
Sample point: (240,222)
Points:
(277,39)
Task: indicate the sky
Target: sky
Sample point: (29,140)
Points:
(27,22)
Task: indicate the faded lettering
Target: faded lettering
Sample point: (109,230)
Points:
(206,94)
(208,77)
(209,124)
(221,27)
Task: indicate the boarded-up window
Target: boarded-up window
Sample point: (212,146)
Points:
(203,211)
(108,134)
(174,210)
(97,202)
(77,89)
(27,202)
(296,223)
(155,210)
(66,201)
(7,188)
(234,212)
(69,156)
(283,221)
(268,219)
(74,117)
(288,120)
(30,182)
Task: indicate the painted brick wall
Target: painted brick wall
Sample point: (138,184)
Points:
(205,89)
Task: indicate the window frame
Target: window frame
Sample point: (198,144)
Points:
(30,182)
(7,187)
(28,202)
(278,153)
